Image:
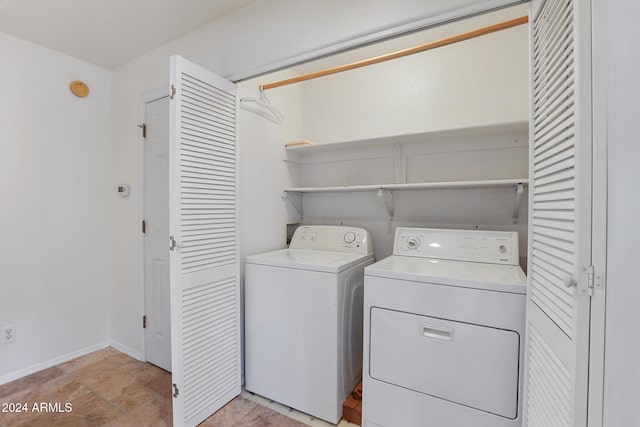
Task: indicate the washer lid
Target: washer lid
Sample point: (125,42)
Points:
(494,277)
(304,259)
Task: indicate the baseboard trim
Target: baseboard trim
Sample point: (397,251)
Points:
(127,350)
(51,362)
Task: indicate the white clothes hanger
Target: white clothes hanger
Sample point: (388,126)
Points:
(262,106)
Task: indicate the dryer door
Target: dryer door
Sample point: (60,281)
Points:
(471,365)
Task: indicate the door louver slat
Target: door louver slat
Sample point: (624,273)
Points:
(562,142)
(213,298)
(549,384)
(554,232)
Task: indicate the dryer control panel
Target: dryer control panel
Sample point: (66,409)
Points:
(495,247)
(332,238)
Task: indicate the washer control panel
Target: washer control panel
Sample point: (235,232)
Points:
(332,238)
(495,247)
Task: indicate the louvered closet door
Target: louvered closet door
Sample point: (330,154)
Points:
(205,298)
(558,306)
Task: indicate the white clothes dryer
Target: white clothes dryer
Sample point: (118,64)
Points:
(304,320)
(444,331)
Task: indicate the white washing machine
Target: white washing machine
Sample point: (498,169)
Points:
(303,319)
(444,331)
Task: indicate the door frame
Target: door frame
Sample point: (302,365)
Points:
(595,402)
(146,98)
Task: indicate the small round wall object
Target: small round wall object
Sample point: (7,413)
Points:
(79,89)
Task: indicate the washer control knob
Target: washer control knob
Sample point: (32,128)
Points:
(413,243)
(502,249)
(314,235)
(349,237)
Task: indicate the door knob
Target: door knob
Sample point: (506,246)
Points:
(569,281)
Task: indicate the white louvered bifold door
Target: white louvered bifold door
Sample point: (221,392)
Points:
(205,293)
(557,333)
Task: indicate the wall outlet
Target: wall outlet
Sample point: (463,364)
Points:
(8,334)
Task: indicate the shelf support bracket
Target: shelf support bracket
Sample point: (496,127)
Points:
(287,195)
(516,207)
(388,204)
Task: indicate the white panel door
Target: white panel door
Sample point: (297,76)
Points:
(204,272)
(557,333)
(156,216)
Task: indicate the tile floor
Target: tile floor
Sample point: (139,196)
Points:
(109,388)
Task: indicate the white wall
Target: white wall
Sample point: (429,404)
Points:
(53,211)
(263,173)
(249,39)
(622,352)
(436,158)
(479,82)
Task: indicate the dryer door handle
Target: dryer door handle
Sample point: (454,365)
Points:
(436,332)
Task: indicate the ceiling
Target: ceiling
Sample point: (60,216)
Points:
(108,33)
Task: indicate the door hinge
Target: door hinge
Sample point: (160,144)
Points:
(176,391)
(144,322)
(172,243)
(590,280)
(143,126)
(144,226)
(173,92)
